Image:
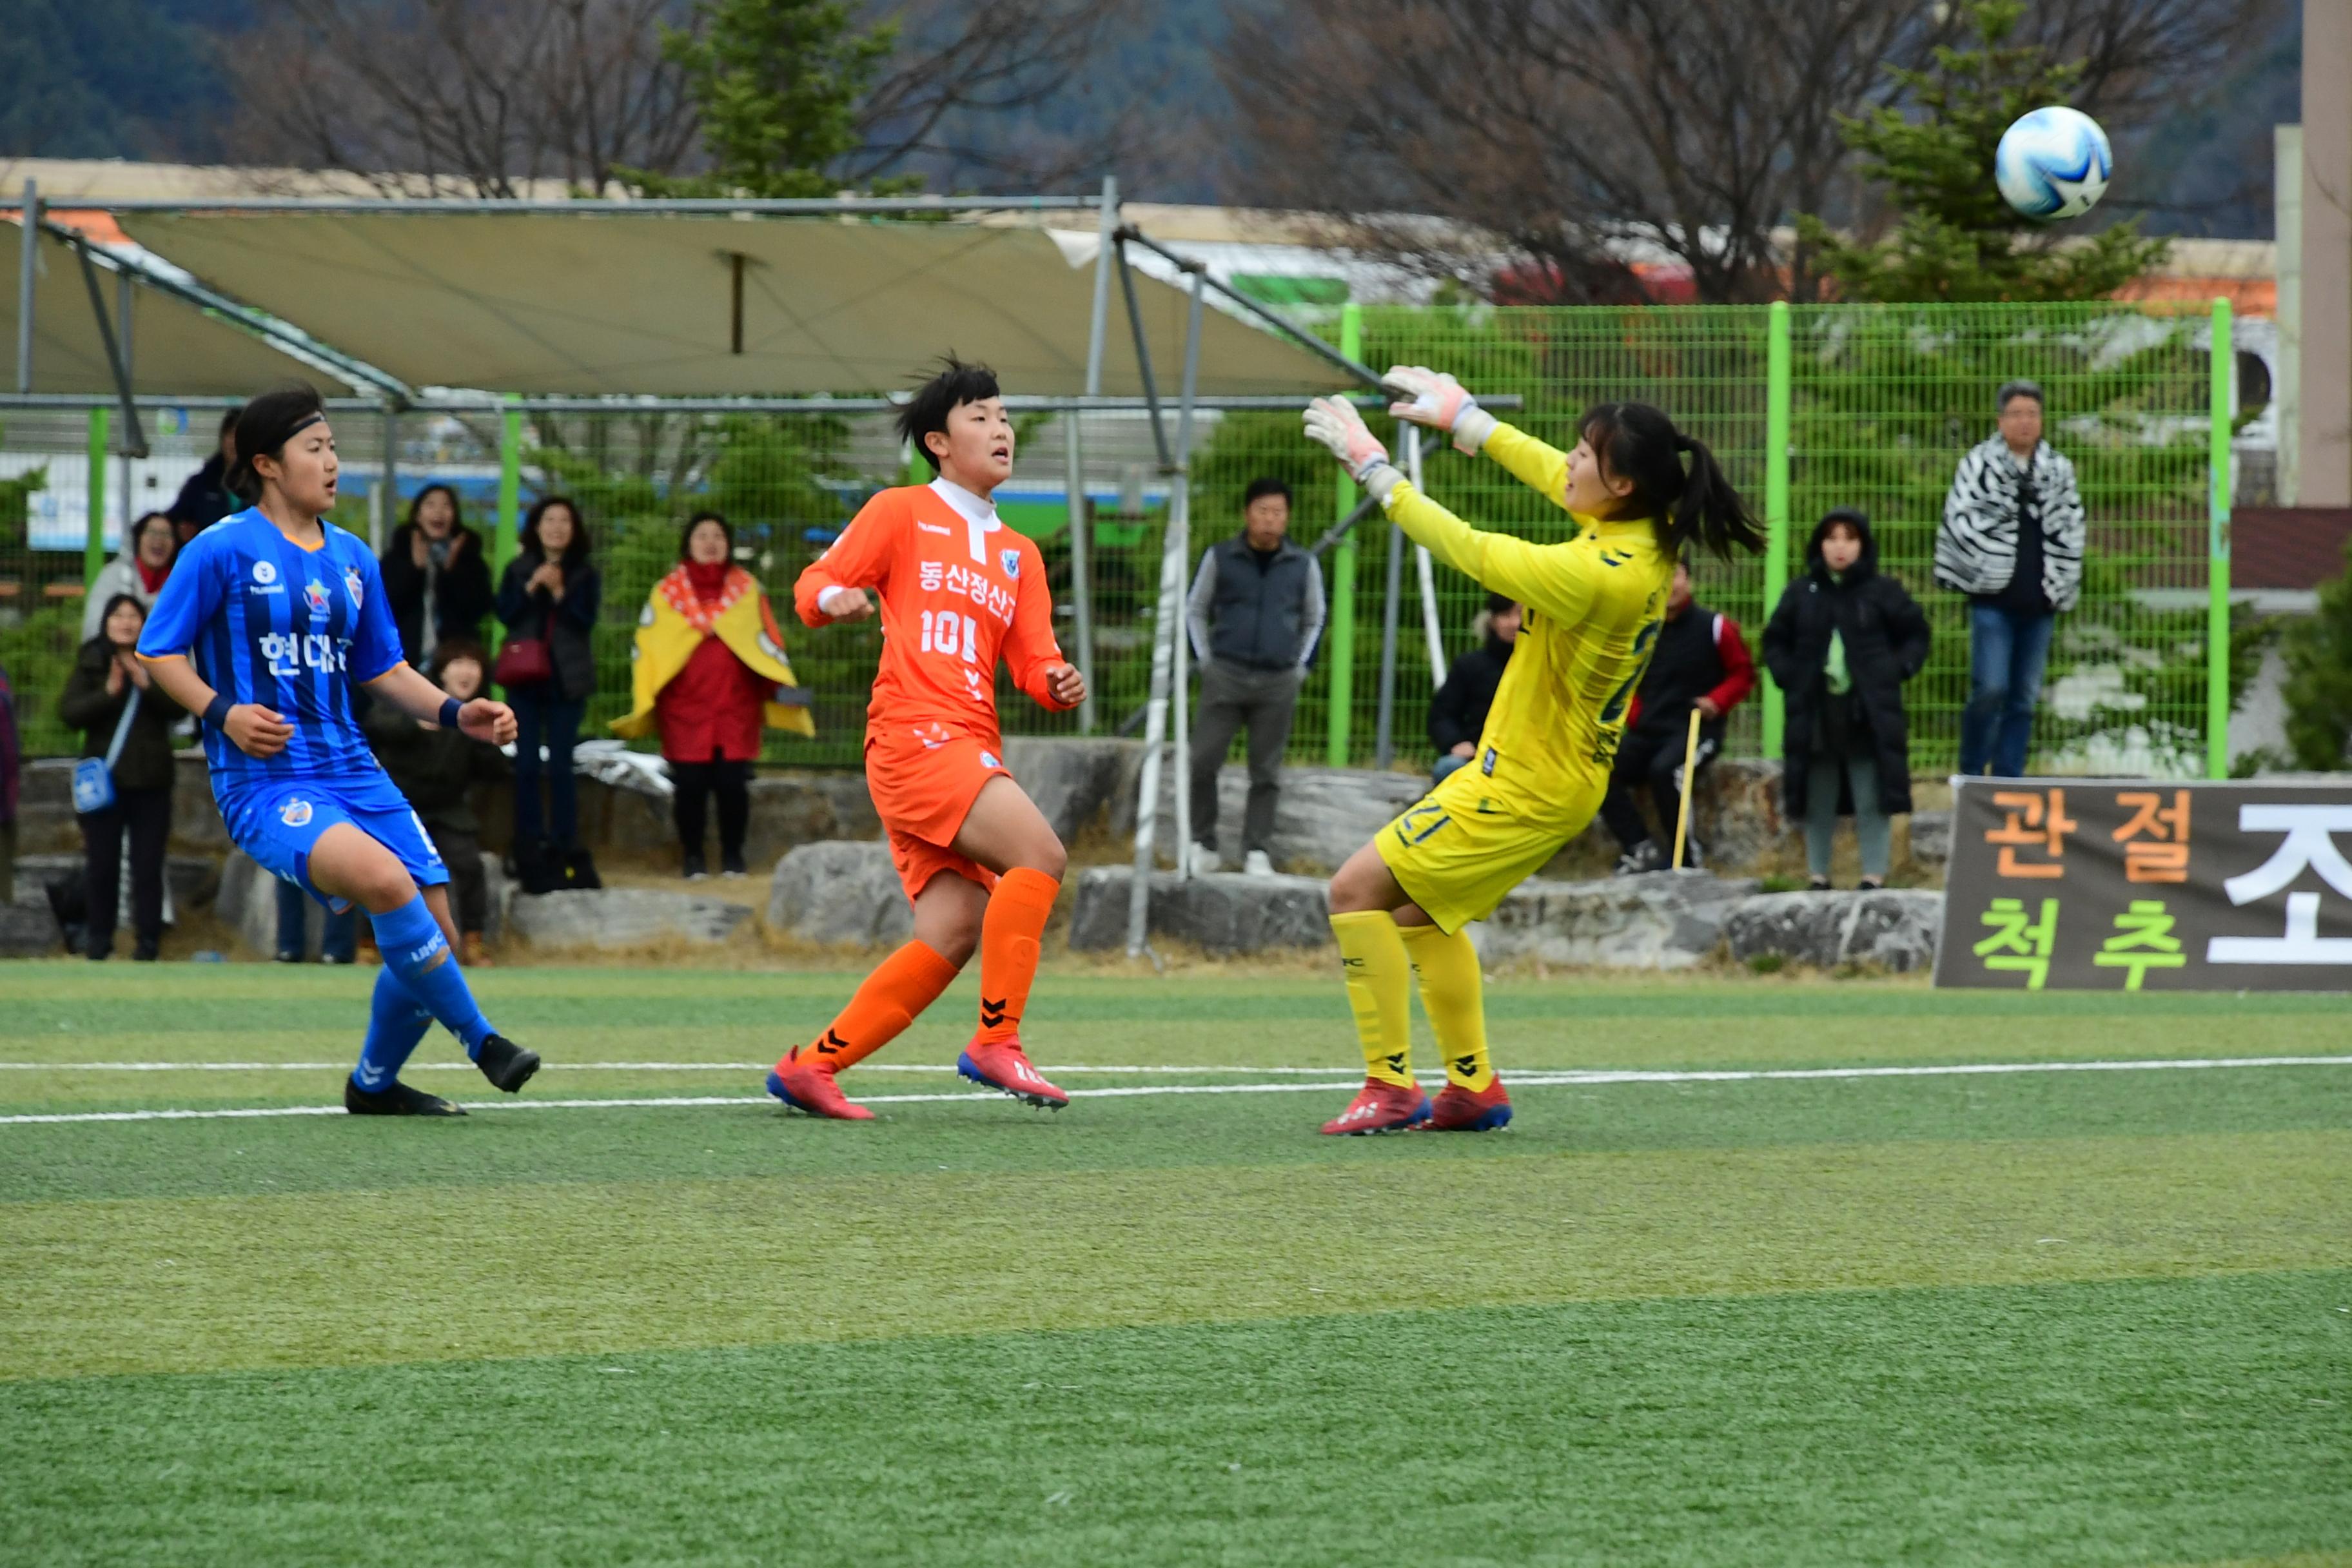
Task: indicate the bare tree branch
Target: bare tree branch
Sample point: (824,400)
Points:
(480,96)
(1564,139)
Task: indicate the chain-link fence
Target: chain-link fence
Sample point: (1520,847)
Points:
(1879,404)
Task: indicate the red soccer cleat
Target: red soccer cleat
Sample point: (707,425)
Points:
(1381,1107)
(808,1086)
(1459,1111)
(1002,1065)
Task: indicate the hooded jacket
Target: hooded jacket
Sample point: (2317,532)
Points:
(1886,640)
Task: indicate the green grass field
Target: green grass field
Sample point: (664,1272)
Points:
(2048,1317)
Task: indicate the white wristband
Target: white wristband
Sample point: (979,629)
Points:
(1379,480)
(831,600)
(1471,428)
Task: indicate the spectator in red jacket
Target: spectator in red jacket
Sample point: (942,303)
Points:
(1700,661)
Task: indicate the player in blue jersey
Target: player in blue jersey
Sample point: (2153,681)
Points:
(269,618)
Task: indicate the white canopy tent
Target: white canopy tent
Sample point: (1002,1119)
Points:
(608,301)
(172,347)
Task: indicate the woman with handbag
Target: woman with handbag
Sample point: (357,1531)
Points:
(125,779)
(548,602)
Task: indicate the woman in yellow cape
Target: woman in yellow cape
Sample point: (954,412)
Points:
(709,672)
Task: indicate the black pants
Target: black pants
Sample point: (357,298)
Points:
(696,782)
(470,885)
(147,812)
(1650,757)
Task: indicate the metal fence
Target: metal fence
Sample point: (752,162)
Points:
(1868,406)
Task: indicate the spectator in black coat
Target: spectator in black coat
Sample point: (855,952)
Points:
(435,577)
(105,675)
(1842,642)
(437,769)
(11,757)
(1699,660)
(551,591)
(205,498)
(1458,712)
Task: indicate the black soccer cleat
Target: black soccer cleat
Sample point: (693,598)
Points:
(506,1065)
(396,1098)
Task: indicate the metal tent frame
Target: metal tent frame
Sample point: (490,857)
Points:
(392,398)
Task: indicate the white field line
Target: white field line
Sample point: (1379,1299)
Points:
(1528,1080)
(626,1067)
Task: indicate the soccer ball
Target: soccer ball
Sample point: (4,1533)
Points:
(2054,163)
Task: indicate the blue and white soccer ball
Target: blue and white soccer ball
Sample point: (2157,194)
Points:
(2053,163)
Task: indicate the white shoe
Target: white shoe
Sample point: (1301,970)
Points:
(1201,859)
(1256,864)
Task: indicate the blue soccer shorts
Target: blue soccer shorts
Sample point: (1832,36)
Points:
(278,821)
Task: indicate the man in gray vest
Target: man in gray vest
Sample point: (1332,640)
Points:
(1256,610)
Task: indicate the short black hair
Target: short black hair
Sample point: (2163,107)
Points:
(449,652)
(138,529)
(1497,603)
(264,424)
(228,420)
(1263,487)
(956,385)
(2013,390)
(686,535)
(577,549)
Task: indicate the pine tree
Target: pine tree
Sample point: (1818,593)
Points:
(777,83)
(1957,240)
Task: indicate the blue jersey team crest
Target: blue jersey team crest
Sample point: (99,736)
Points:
(227,607)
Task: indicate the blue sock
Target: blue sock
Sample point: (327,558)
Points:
(396,1022)
(412,940)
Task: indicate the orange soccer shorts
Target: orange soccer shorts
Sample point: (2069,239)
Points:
(923,780)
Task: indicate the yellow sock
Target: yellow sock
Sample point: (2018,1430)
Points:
(1374,957)
(1447,968)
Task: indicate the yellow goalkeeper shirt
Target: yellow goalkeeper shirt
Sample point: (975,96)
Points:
(1594,604)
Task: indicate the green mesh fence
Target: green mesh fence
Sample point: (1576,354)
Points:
(1880,404)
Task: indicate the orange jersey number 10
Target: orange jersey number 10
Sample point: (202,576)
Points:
(940,631)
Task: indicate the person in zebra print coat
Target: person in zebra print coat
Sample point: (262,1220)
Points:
(2012,541)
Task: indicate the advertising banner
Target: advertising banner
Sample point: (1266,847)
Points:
(2133,885)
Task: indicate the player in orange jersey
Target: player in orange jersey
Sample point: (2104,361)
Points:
(979,861)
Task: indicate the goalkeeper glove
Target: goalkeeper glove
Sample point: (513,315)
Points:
(1439,401)
(1335,424)
(1341,429)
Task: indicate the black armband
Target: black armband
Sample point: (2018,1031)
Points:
(450,708)
(217,710)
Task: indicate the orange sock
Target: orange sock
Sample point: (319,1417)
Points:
(1008,948)
(901,986)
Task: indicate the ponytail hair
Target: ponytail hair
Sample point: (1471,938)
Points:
(1697,505)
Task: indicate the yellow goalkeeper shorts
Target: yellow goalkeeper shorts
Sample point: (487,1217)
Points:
(1460,847)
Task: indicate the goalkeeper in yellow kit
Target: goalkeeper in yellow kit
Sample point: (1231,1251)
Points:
(1642,492)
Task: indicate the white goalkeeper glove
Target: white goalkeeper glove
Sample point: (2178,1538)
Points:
(1335,424)
(1435,399)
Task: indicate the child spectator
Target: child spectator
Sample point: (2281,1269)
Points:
(550,593)
(107,679)
(435,577)
(1458,712)
(1698,661)
(437,769)
(138,571)
(1841,643)
(710,672)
